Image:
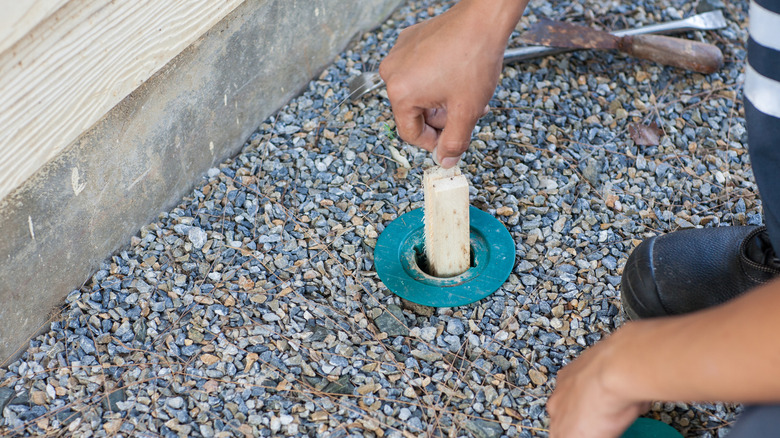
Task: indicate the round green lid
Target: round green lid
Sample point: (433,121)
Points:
(399,258)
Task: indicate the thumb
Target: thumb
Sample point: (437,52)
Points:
(455,137)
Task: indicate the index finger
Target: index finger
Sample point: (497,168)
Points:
(456,135)
(410,122)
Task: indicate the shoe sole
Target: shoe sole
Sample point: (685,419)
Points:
(630,312)
(637,287)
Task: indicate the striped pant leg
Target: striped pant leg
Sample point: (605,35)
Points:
(762,108)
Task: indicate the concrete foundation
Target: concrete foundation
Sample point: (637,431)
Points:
(151,149)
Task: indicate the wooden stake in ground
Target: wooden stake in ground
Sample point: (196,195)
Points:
(446,221)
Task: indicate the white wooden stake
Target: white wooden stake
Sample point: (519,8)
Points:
(447,244)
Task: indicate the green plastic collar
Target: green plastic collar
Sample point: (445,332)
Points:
(649,428)
(399,255)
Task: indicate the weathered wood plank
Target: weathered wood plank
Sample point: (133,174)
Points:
(57,81)
(20,17)
(446,194)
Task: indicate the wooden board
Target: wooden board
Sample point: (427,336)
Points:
(59,79)
(20,17)
(447,244)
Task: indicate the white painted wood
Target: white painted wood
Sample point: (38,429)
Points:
(447,246)
(17,18)
(58,80)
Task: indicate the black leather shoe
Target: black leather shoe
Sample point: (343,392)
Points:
(689,270)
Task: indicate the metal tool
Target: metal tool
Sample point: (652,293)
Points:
(677,52)
(368,81)
(706,21)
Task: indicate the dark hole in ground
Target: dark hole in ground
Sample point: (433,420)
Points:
(422,260)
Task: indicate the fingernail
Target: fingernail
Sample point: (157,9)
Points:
(435,157)
(448,162)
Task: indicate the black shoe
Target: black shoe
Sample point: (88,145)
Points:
(689,270)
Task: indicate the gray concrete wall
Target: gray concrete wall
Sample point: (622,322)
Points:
(151,149)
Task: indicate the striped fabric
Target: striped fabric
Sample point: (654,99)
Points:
(762,76)
(762,109)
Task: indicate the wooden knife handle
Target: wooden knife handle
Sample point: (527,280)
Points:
(677,52)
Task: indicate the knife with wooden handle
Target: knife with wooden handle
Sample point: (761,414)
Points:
(677,52)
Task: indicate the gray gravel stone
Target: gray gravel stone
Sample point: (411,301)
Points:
(455,327)
(341,386)
(175,402)
(392,322)
(6,394)
(428,334)
(197,236)
(484,429)
(114,397)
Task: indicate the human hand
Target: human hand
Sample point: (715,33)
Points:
(441,74)
(591,398)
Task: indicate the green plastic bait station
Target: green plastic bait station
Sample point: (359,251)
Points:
(400,261)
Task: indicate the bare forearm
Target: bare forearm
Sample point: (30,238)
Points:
(501,16)
(727,353)
(490,22)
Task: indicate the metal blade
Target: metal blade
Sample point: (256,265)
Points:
(366,82)
(573,36)
(705,21)
(708,20)
(360,86)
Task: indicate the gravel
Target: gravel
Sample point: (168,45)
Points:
(253,307)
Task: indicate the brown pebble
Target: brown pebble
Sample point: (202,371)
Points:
(38,397)
(209,359)
(537,377)
(504,211)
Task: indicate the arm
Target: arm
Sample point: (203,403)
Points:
(441,73)
(728,353)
